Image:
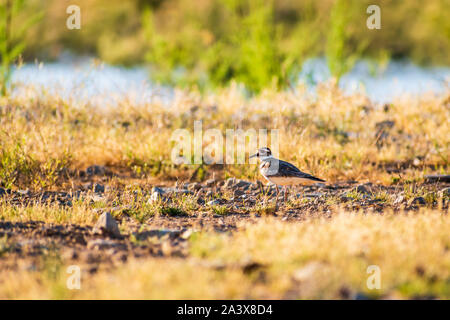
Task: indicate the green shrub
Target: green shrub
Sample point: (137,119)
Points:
(11,39)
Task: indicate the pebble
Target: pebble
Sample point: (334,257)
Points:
(208,194)
(229,183)
(444,192)
(209,183)
(214,202)
(417,201)
(362,189)
(365,197)
(96,170)
(23,192)
(175,190)
(107,224)
(157,195)
(308,271)
(96,198)
(314,195)
(157,233)
(158,190)
(101,244)
(399,200)
(242,184)
(194,186)
(98,188)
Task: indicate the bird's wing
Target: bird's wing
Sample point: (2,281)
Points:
(286,169)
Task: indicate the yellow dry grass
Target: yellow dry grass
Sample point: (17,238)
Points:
(332,135)
(316,258)
(44,137)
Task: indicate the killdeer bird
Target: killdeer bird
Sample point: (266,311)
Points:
(282,173)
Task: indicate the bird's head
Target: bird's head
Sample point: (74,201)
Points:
(263,153)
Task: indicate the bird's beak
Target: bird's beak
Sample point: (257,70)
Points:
(253,155)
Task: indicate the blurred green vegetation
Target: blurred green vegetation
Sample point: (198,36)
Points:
(12,40)
(259,43)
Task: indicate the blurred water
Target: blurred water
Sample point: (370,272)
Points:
(397,78)
(85,81)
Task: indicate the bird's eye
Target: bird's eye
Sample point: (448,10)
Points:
(257,154)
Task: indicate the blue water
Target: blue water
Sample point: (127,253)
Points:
(97,83)
(397,79)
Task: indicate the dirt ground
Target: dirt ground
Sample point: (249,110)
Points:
(219,206)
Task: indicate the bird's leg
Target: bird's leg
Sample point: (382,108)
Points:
(285,194)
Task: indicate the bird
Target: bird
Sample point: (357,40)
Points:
(280,172)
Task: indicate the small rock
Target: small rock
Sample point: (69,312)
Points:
(417,201)
(437,178)
(444,192)
(365,197)
(175,190)
(96,170)
(101,244)
(98,188)
(157,233)
(208,194)
(210,183)
(361,189)
(23,192)
(229,183)
(314,195)
(107,224)
(157,189)
(214,202)
(194,186)
(399,200)
(121,256)
(96,198)
(242,184)
(257,185)
(320,185)
(308,271)
(186,234)
(157,195)
(70,254)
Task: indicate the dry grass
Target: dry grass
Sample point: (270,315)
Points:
(332,135)
(80,213)
(317,258)
(45,140)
